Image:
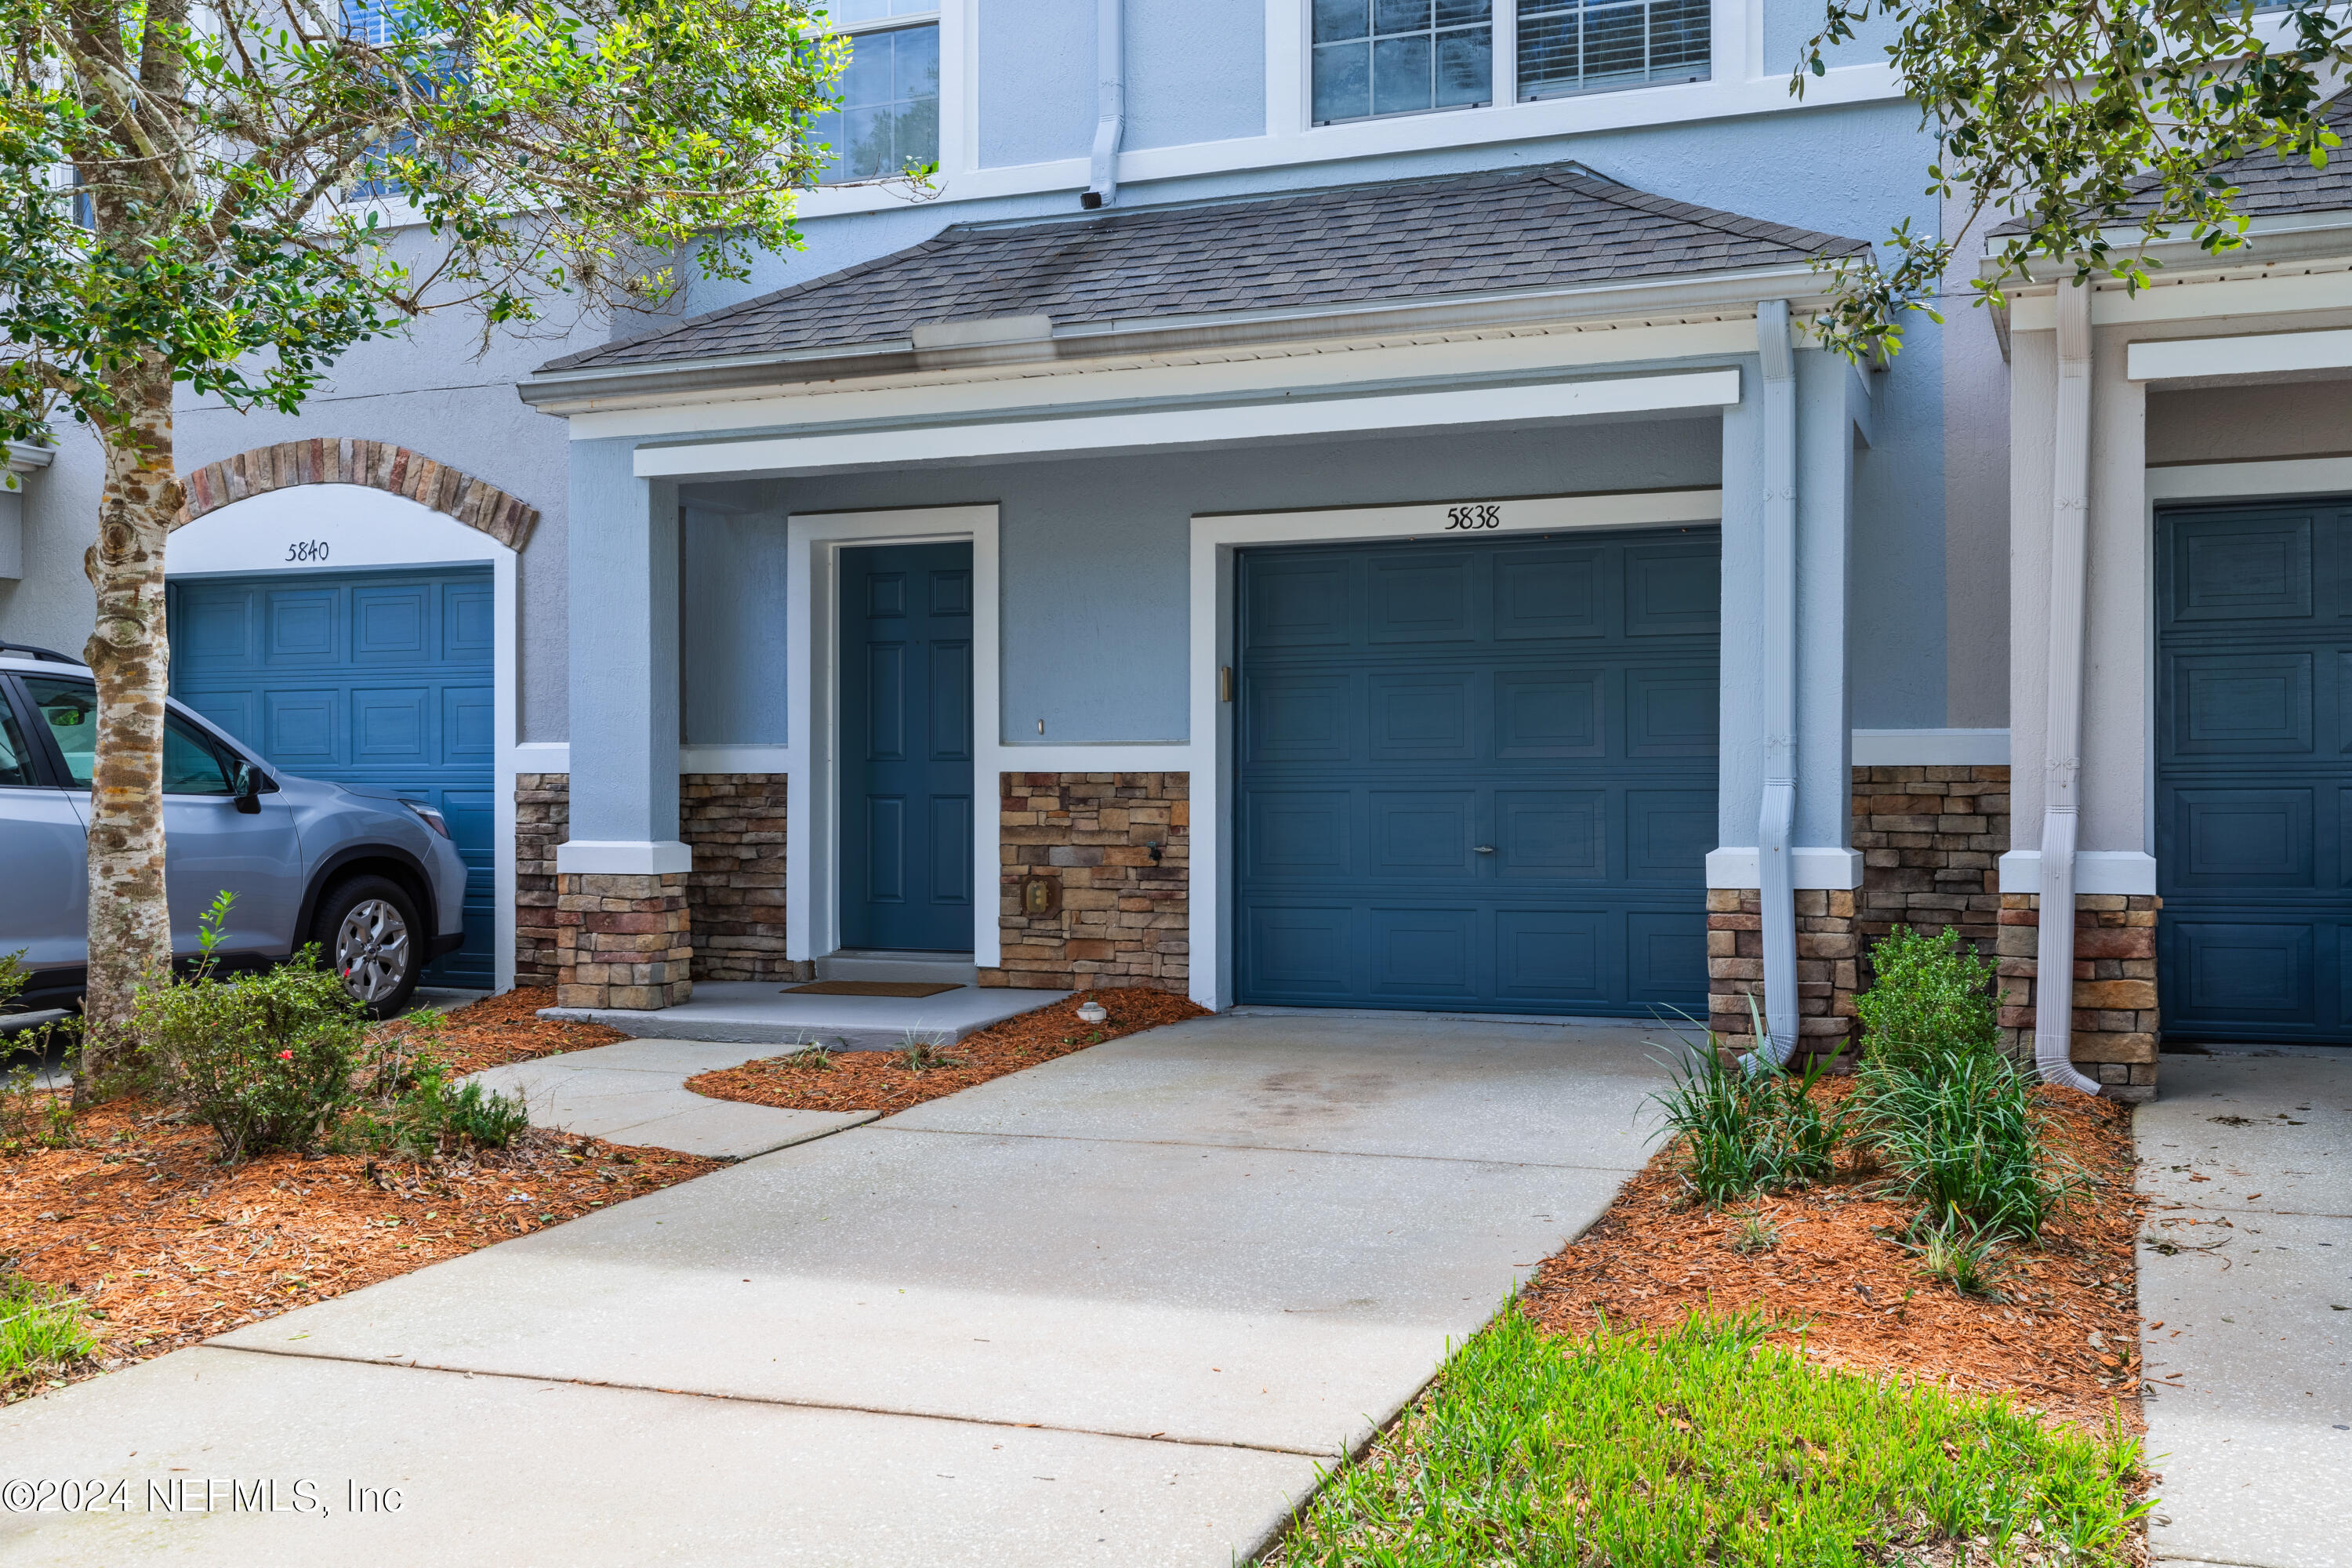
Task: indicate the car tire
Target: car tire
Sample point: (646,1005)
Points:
(368,933)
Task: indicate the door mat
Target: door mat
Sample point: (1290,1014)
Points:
(870,988)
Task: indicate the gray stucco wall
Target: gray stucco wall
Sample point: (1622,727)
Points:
(1095,555)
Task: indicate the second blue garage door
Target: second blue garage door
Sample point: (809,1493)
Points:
(2253,838)
(1478,776)
(380,679)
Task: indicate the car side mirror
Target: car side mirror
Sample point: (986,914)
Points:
(247,789)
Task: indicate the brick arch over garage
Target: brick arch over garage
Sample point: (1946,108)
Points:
(379,465)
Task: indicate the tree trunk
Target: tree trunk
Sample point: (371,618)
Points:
(129,921)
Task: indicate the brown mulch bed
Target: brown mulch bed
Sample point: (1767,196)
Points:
(507,1028)
(168,1247)
(874,1080)
(2063,1338)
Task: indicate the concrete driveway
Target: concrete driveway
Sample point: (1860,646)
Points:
(1118,1308)
(2246,1265)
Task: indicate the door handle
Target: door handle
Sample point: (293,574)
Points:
(1482,850)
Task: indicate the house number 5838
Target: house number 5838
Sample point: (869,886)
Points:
(1488,515)
(307,550)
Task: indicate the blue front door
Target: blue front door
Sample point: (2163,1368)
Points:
(385,678)
(1478,776)
(2253,826)
(907,748)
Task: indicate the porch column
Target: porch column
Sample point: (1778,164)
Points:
(1833,417)
(622,937)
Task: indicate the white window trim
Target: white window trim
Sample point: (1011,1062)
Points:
(1216,538)
(948,17)
(366,527)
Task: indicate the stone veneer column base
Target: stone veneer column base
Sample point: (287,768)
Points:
(1827,948)
(2116,1020)
(622,942)
(1126,909)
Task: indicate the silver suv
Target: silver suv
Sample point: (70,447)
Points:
(372,879)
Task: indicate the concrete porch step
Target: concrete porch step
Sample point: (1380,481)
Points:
(761,1013)
(872,964)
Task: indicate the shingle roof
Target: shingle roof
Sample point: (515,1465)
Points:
(2270,186)
(1528,228)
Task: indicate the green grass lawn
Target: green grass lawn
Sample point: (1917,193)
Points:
(41,1331)
(1706,1447)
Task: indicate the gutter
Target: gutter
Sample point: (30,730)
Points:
(1110,102)
(2069,499)
(1775,859)
(730,378)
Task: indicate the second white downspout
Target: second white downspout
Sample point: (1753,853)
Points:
(1776,868)
(2053,1017)
(1110,102)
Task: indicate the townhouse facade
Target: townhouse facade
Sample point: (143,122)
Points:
(1331,503)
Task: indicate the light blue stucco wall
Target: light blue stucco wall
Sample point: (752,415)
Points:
(1037,80)
(1096,574)
(1847,170)
(1196,70)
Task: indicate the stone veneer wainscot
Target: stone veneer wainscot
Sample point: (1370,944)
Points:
(1126,912)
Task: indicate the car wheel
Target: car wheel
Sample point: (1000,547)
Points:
(368,930)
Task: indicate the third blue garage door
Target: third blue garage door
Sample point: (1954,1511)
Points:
(2254,838)
(1478,776)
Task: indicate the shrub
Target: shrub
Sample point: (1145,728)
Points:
(1931,994)
(438,1112)
(410,1105)
(1961,1132)
(42,1329)
(265,1060)
(32,1116)
(1746,1126)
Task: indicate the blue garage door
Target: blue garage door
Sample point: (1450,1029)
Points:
(1478,776)
(382,679)
(2255,771)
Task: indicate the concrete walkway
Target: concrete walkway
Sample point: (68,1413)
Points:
(2246,1265)
(1118,1308)
(634,1091)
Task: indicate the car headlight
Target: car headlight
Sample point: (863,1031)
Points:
(430,818)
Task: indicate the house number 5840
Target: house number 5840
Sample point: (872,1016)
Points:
(1471,517)
(307,550)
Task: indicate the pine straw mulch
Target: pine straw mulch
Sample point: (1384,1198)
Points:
(167,1247)
(874,1080)
(2062,1337)
(507,1028)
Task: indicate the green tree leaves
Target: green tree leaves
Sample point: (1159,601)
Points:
(2097,124)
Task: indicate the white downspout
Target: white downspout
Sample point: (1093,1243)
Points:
(2070,492)
(1110,102)
(1775,863)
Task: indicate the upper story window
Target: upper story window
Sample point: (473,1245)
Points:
(1374,57)
(1578,45)
(888,117)
(1401,56)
